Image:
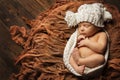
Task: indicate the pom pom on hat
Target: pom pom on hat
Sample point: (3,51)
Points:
(94,13)
(70,18)
(107,15)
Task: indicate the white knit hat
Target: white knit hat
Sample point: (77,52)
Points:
(94,13)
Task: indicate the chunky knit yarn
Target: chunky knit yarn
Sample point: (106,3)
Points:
(94,13)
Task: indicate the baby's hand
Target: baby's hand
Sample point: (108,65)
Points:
(81,37)
(83,42)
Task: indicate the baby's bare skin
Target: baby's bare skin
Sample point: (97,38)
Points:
(90,48)
(85,51)
(79,69)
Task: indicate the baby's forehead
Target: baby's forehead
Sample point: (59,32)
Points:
(86,23)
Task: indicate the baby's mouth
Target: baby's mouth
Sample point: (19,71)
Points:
(83,34)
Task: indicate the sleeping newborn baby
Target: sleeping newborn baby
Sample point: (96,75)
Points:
(87,48)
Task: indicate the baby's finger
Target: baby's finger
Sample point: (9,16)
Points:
(79,45)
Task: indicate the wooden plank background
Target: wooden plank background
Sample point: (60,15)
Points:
(11,13)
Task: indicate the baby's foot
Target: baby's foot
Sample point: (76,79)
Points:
(76,55)
(80,69)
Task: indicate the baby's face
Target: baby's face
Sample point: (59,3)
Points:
(87,29)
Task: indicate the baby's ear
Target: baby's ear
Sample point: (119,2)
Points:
(107,15)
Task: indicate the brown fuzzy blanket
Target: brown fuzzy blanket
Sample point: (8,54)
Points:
(44,42)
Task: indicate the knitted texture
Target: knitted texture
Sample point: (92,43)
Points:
(94,13)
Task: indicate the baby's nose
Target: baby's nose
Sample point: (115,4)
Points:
(82,28)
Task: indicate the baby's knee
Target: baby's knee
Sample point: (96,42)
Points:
(101,59)
(75,50)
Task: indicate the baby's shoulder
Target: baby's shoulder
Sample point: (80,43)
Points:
(101,34)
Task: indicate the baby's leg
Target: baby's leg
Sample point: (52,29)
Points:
(92,61)
(79,69)
(76,55)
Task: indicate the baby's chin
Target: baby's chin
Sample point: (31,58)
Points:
(84,34)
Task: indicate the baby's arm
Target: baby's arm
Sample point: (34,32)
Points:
(80,37)
(98,46)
